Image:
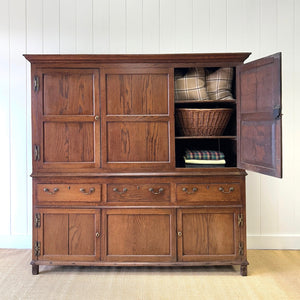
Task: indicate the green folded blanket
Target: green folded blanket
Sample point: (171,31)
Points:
(204,155)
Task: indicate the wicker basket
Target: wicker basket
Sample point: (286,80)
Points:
(202,122)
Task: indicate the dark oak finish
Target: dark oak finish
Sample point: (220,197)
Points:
(109,183)
(207,234)
(139,235)
(260,115)
(69,234)
(64,107)
(193,193)
(62,192)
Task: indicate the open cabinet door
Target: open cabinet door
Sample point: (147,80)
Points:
(259,116)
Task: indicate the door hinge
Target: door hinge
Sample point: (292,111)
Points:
(241,248)
(36,84)
(240,220)
(37,220)
(277,112)
(37,249)
(36,152)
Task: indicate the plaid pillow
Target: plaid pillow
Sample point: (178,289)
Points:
(204,154)
(218,84)
(191,86)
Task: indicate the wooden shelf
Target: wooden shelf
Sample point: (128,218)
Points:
(231,137)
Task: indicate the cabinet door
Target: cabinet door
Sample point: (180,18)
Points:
(259,115)
(208,234)
(137,118)
(141,235)
(69,234)
(65,123)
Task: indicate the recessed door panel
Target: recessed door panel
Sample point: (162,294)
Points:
(68,142)
(137,94)
(260,139)
(137,142)
(139,235)
(69,92)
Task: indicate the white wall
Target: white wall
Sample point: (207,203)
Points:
(262,27)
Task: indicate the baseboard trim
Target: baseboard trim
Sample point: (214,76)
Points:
(16,241)
(284,242)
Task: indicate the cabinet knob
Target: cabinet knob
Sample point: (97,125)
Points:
(97,118)
(97,234)
(179,233)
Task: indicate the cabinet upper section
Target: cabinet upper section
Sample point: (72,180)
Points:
(116,113)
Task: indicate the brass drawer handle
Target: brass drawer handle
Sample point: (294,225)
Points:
(55,190)
(231,189)
(194,190)
(91,190)
(120,193)
(160,190)
(179,233)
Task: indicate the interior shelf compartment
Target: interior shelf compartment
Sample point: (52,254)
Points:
(225,145)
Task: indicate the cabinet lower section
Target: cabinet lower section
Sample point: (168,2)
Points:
(175,221)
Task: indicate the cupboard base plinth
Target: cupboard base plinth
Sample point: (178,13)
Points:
(35,268)
(243,266)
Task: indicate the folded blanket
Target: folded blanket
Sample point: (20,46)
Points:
(204,161)
(204,154)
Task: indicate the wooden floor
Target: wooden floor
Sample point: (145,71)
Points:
(272,275)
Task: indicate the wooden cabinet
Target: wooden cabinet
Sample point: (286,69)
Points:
(209,234)
(110,186)
(67,126)
(137,118)
(67,234)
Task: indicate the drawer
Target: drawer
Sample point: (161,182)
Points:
(156,192)
(208,192)
(68,192)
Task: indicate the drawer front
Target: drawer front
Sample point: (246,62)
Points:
(156,192)
(68,192)
(206,192)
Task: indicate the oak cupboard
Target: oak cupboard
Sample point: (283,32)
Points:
(110,186)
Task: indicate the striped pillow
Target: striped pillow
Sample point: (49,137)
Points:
(218,84)
(191,86)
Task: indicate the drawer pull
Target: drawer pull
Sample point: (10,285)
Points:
(231,189)
(97,234)
(55,190)
(194,190)
(91,190)
(156,193)
(120,193)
